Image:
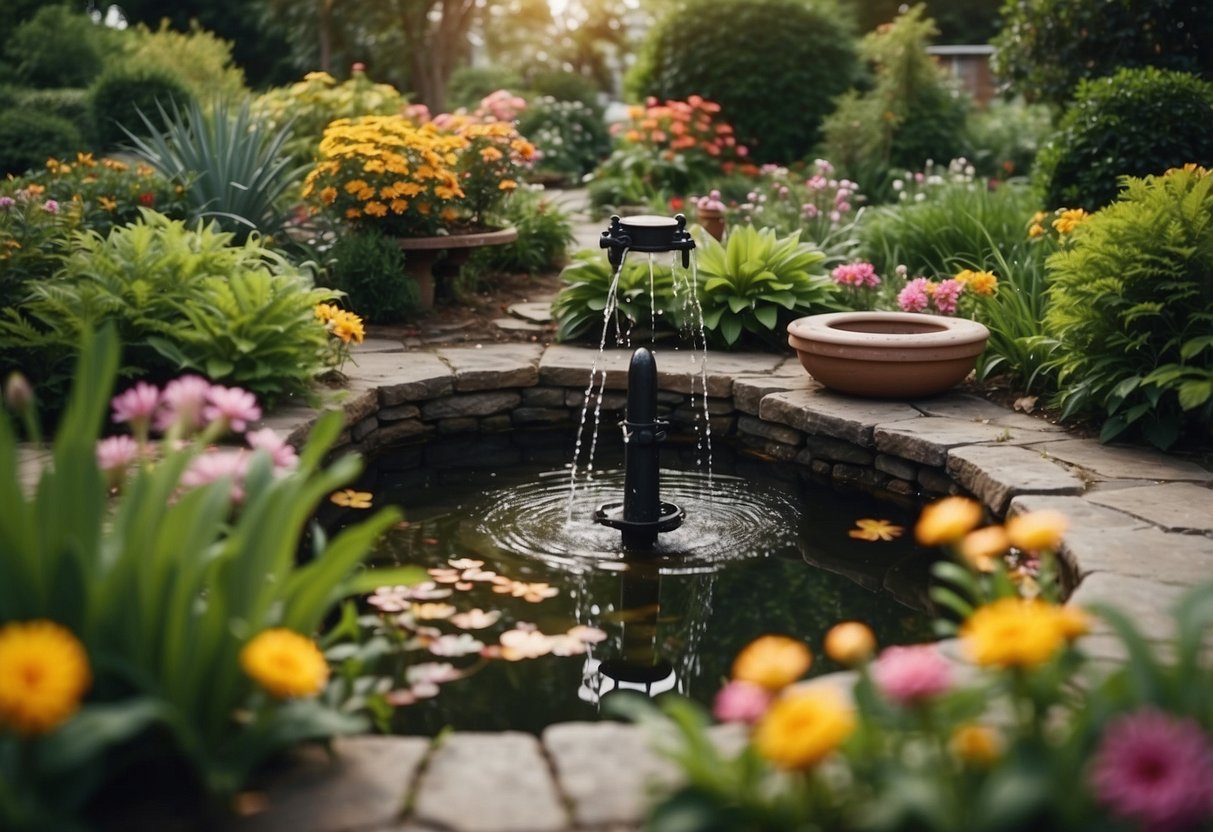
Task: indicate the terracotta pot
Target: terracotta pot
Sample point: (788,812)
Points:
(887,355)
(422,253)
(712,221)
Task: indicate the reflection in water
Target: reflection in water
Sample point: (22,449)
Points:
(762,550)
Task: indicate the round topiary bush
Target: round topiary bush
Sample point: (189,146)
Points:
(73,104)
(58,47)
(1134,123)
(121,94)
(28,138)
(774,66)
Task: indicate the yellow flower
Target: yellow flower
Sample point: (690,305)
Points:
(328,195)
(326,312)
(1037,230)
(869,529)
(1069,219)
(349,498)
(86,159)
(348,327)
(1074,622)
(399,206)
(947,520)
(355,185)
(375,209)
(1011,632)
(977,744)
(107,203)
(979,283)
(980,547)
(1037,530)
(44,673)
(285,664)
(773,662)
(447,192)
(490,154)
(803,728)
(507,185)
(850,643)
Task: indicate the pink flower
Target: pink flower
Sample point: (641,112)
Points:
(858,274)
(6,202)
(116,453)
(835,216)
(234,406)
(740,701)
(182,403)
(946,295)
(810,210)
(911,674)
(217,465)
(136,406)
(280,451)
(914,297)
(1155,770)
(50,206)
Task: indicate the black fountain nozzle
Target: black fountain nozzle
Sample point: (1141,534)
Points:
(642,515)
(647,232)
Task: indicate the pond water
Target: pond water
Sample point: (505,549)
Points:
(764,549)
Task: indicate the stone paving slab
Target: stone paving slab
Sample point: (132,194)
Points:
(402,377)
(682,370)
(1146,602)
(564,366)
(973,409)
(1119,462)
(1179,559)
(515,325)
(928,440)
(364,784)
(505,365)
(536,312)
(996,473)
(749,391)
(478,782)
(842,417)
(1174,506)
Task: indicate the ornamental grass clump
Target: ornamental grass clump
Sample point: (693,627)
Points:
(1015,728)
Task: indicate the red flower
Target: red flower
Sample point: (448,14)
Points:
(676,203)
(147,199)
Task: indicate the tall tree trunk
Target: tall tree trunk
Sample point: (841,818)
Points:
(324,32)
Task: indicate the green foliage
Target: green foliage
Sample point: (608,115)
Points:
(233,166)
(70,104)
(565,86)
(28,137)
(121,94)
(369,268)
(1135,123)
(58,47)
(165,584)
(32,240)
(909,115)
(1006,136)
(586,307)
(544,235)
(775,67)
(197,58)
(182,299)
(1132,310)
(469,84)
(1046,47)
(309,105)
(571,136)
(757,282)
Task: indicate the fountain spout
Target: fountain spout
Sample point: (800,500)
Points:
(642,515)
(647,232)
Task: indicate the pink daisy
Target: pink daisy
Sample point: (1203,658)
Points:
(946,295)
(914,297)
(280,451)
(216,465)
(908,675)
(234,406)
(136,406)
(1155,770)
(116,453)
(182,404)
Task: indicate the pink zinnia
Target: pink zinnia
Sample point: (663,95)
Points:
(912,674)
(136,406)
(267,439)
(116,453)
(217,465)
(1155,770)
(946,295)
(236,407)
(857,274)
(740,701)
(183,401)
(914,297)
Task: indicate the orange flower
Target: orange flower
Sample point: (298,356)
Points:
(773,662)
(947,520)
(850,643)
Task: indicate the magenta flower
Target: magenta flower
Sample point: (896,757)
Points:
(1155,770)
(50,206)
(946,295)
(182,403)
(858,274)
(740,701)
(280,451)
(217,465)
(116,453)
(914,297)
(908,675)
(6,202)
(136,406)
(234,406)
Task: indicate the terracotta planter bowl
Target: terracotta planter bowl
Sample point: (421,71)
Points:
(887,355)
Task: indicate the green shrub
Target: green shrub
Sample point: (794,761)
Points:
(121,94)
(544,235)
(469,84)
(644,298)
(565,86)
(58,47)
(200,60)
(182,299)
(233,166)
(28,138)
(775,67)
(1132,310)
(164,584)
(908,117)
(33,238)
(1005,137)
(1046,47)
(369,268)
(571,136)
(1135,123)
(72,104)
(756,283)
